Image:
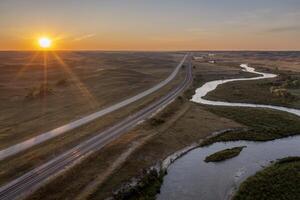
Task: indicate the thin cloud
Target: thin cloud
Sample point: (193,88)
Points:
(284,29)
(198,30)
(83,37)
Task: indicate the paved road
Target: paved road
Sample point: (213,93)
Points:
(30,181)
(12,150)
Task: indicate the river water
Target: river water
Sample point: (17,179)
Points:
(212,85)
(190,178)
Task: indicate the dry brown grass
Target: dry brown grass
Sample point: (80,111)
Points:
(189,123)
(171,135)
(182,123)
(181,129)
(94,80)
(271,60)
(15,166)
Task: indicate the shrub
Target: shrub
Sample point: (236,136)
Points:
(156,121)
(224,154)
(39,92)
(62,82)
(281,92)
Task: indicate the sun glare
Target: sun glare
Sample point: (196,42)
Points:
(45,42)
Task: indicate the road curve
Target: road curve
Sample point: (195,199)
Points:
(24,185)
(14,149)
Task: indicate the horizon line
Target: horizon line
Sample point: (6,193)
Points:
(154,50)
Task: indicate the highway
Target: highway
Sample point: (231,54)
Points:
(14,149)
(29,182)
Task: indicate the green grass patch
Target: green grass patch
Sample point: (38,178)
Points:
(280,181)
(263,124)
(268,91)
(224,154)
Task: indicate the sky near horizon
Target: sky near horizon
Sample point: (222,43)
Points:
(151,24)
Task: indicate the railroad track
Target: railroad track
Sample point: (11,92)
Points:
(32,180)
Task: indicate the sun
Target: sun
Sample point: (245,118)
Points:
(45,42)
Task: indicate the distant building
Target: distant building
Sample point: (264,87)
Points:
(198,57)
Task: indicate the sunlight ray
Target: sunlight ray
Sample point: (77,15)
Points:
(44,85)
(82,88)
(25,66)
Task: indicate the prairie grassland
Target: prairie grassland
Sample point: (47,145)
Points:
(36,98)
(279,181)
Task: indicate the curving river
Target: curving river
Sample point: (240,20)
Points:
(212,85)
(190,178)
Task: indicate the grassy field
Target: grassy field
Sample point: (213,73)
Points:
(280,181)
(262,91)
(15,166)
(283,90)
(157,141)
(37,98)
(224,154)
(273,60)
(263,124)
(179,125)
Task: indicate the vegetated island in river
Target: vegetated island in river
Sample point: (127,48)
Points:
(278,181)
(224,154)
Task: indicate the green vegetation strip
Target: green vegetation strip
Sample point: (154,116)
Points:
(282,91)
(280,181)
(263,124)
(224,154)
(146,188)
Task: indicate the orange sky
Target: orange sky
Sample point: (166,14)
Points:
(151,25)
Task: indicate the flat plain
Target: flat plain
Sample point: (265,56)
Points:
(41,91)
(113,76)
